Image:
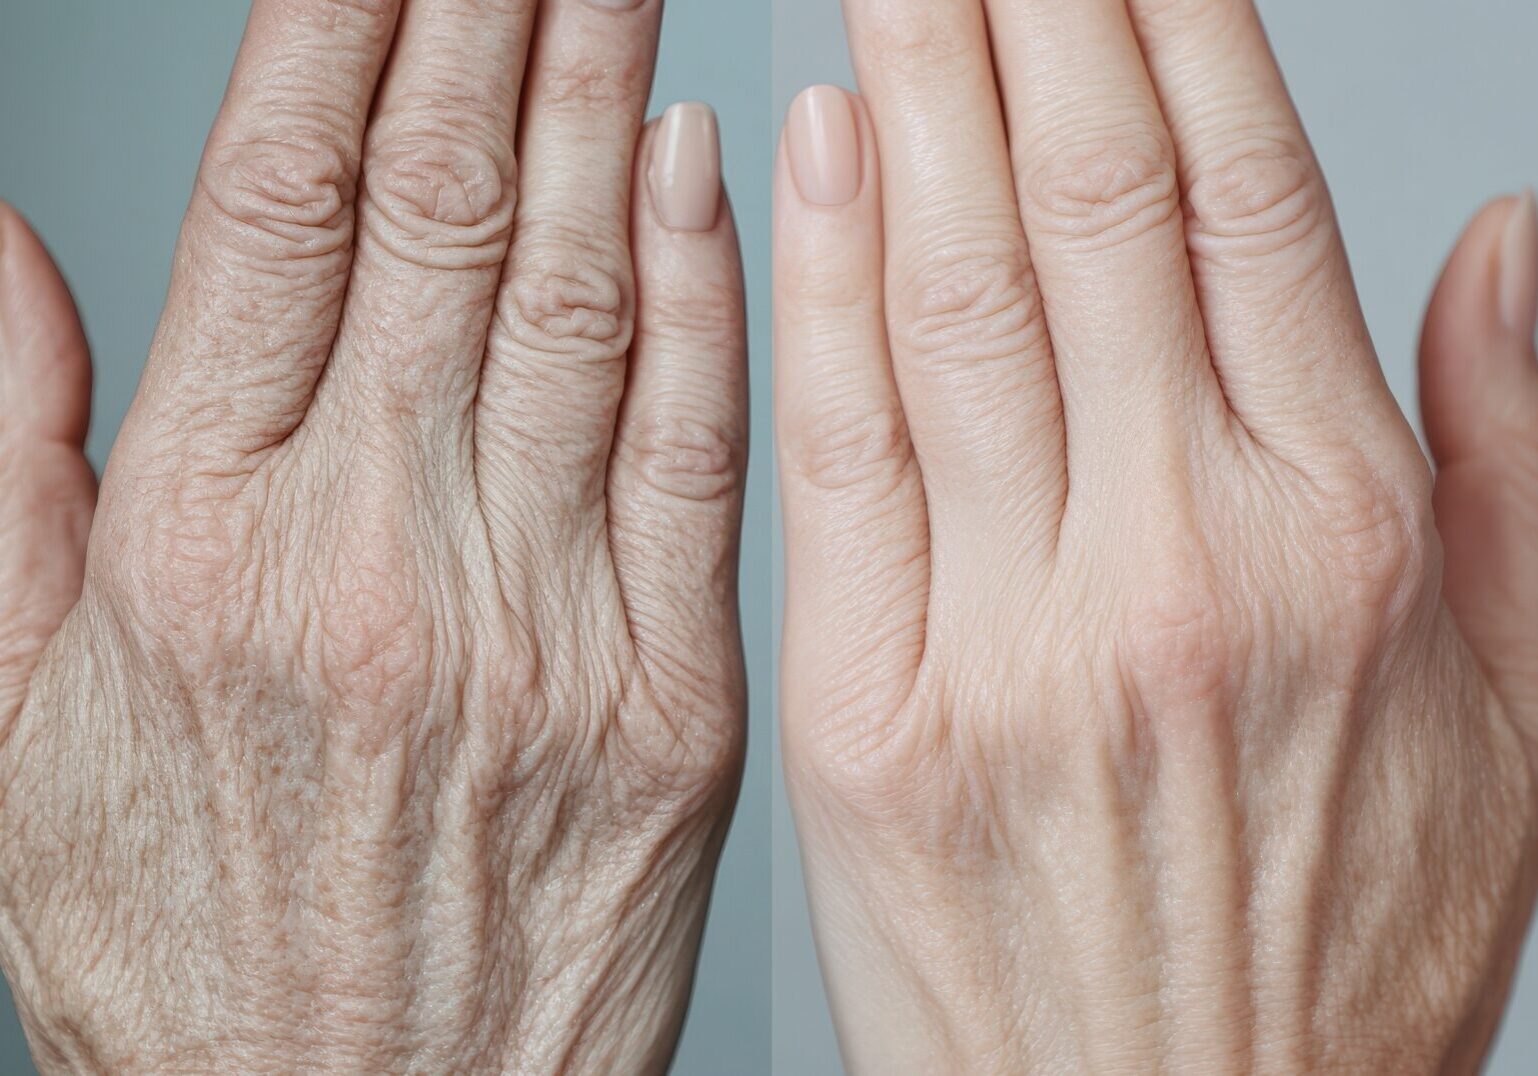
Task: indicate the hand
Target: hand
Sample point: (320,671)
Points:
(399,719)
(1131,719)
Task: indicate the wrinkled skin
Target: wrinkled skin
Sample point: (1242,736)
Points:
(1147,706)
(399,719)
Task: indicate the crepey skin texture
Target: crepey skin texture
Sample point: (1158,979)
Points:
(399,719)
(1148,707)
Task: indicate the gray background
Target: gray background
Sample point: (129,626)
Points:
(104,106)
(1420,110)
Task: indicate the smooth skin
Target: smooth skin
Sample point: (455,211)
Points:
(1147,704)
(399,718)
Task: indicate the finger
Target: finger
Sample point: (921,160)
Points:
(1095,170)
(47,490)
(555,363)
(968,339)
(45,379)
(258,283)
(856,534)
(435,217)
(680,450)
(1283,322)
(1479,395)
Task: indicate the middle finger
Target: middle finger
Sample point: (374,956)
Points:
(1096,173)
(435,216)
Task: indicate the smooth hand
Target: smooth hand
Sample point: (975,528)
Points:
(399,720)
(1135,720)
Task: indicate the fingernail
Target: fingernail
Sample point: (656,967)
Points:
(823,144)
(1519,268)
(686,168)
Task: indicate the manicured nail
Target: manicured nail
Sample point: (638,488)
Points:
(1519,268)
(686,168)
(823,143)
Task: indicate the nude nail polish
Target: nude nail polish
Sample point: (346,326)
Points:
(823,144)
(1519,268)
(685,168)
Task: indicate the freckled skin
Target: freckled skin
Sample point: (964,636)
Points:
(1148,706)
(393,720)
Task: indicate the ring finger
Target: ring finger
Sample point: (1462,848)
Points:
(1096,173)
(434,220)
(555,364)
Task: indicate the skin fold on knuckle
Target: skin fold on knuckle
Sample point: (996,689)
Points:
(966,303)
(181,577)
(704,317)
(889,772)
(1183,644)
(816,288)
(1255,199)
(1100,190)
(919,44)
(879,752)
(594,86)
(383,638)
(685,455)
(279,199)
(566,301)
(1373,532)
(842,446)
(328,13)
(682,748)
(375,644)
(443,199)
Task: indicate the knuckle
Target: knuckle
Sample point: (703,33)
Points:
(893,772)
(921,40)
(569,302)
(705,316)
(828,288)
(185,581)
(282,198)
(592,85)
(968,304)
(372,645)
(1103,190)
(189,558)
(687,458)
(836,449)
(589,87)
(1176,16)
(443,200)
(1375,536)
(1181,642)
(374,636)
(1255,199)
(681,757)
(328,13)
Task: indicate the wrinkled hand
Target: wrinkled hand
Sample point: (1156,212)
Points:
(398,722)
(1132,720)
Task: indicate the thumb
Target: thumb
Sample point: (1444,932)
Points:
(47,490)
(1479,397)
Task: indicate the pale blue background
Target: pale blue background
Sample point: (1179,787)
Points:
(1420,110)
(104,105)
